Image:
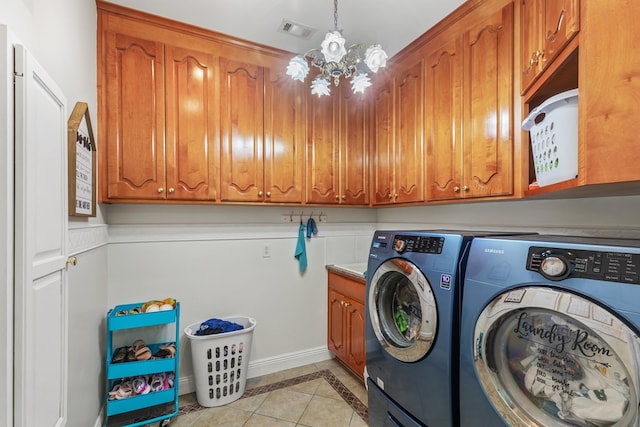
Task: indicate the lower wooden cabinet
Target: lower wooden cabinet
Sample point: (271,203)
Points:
(346,317)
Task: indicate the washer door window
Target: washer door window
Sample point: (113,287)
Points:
(549,357)
(402,310)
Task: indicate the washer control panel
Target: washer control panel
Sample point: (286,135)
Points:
(558,264)
(420,244)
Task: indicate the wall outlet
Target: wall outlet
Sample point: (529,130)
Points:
(266,251)
(286,218)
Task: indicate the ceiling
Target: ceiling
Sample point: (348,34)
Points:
(392,23)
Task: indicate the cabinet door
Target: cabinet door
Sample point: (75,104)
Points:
(354,144)
(241,113)
(409,145)
(561,23)
(443,119)
(135,118)
(546,26)
(531,49)
(383,144)
(336,338)
(192,125)
(608,113)
(322,153)
(488,106)
(356,355)
(284,119)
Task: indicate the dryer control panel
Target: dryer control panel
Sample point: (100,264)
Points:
(558,264)
(420,244)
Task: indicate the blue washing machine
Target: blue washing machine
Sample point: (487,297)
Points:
(549,332)
(412,317)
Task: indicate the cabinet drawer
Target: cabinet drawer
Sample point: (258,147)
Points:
(348,287)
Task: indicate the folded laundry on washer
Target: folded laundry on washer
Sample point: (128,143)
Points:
(217,326)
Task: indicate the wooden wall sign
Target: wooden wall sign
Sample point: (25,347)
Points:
(82,163)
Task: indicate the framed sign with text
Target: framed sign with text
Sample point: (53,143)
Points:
(82,163)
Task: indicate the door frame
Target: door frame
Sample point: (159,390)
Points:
(7,40)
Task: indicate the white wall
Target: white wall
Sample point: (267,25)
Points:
(61,35)
(210,258)
(603,216)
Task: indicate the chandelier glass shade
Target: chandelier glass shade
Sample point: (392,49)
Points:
(335,60)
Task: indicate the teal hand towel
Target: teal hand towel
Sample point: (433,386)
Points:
(301,249)
(312,229)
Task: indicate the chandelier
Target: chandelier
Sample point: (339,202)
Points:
(334,61)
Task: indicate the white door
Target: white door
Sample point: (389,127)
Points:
(40,364)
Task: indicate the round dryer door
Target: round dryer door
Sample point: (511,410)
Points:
(547,357)
(402,310)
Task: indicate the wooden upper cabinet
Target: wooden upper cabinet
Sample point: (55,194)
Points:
(398,135)
(609,95)
(443,118)
(383,136)
(323,181)
(191,125)
(354,147)
(337,157)
(408,152)
(241,101)
(262,145)
(469,110)
(135,138)
(284,137)
(160,122)
(488,106)
(546,26)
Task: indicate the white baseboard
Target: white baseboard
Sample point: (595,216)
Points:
(270,365)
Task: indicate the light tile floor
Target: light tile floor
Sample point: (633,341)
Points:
(316,395)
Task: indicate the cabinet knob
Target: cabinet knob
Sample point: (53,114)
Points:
(260,193)
(395,195)
(268,193)
(337,197)
(456,189)
(160,190)
(465,188)
(390,196)
(171,190)
(344,197)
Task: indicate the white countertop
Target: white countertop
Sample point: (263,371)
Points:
(357,269)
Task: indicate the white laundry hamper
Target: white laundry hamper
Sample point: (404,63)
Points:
(220,362)
(553,130)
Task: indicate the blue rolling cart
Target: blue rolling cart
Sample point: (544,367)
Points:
(155,406)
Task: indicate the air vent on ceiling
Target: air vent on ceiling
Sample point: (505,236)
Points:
(296,30)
